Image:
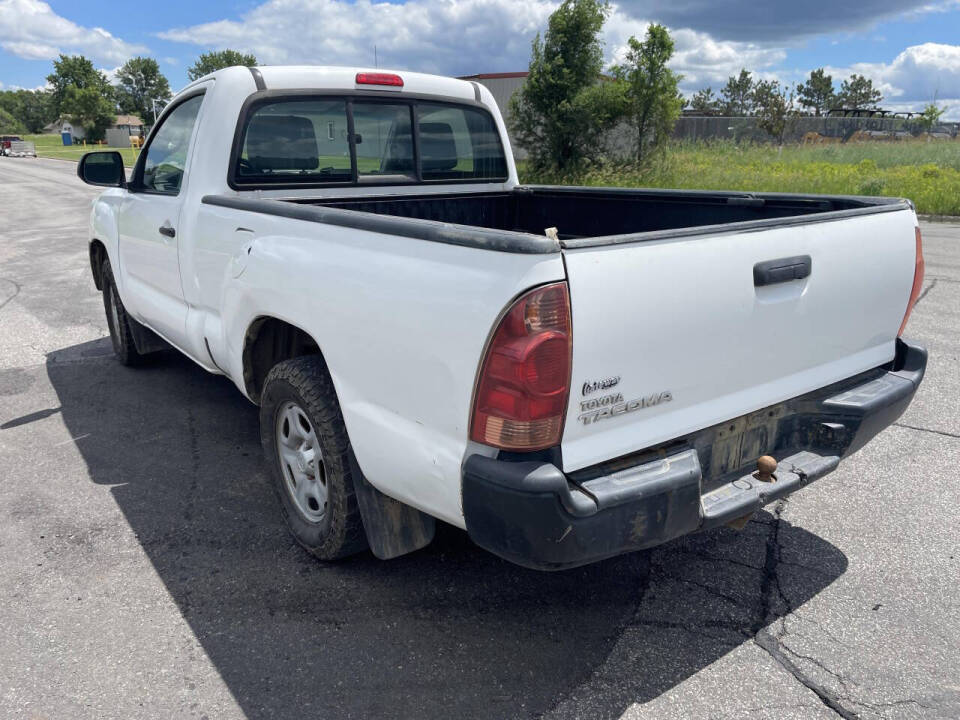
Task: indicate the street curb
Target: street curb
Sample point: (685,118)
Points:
(940,218)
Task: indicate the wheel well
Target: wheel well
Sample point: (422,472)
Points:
(97,254)
(270,341)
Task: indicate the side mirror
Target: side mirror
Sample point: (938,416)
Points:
(102,168)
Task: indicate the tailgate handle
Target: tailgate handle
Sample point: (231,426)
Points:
(771,272)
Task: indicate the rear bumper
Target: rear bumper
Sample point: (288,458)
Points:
(531,513)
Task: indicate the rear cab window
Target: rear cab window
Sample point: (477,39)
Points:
(314,141)
(283,141)
(458,143)
(383,138)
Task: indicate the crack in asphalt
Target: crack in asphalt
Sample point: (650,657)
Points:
(772,643)
(770,604)
(929,430)
(893,703)
(716,559)
(16,291)
(775,649)
(927,289)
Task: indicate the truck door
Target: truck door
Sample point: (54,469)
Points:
(148,221)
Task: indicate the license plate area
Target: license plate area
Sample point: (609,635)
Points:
(736,444)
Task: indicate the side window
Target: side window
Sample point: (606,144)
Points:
(166,157)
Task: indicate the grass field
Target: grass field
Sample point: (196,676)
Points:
(51,146)
(926,172)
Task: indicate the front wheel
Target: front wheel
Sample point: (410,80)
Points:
(307,449)
(117,320)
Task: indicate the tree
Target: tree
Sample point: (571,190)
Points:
(78,72)
(653,101)
(217,60)
(817,92)
(773,105)
(31,108)
(9,125)
(738,94)
(89,108)
(705,102)
(930,117)
(139,83)
(858,93)
(563,107)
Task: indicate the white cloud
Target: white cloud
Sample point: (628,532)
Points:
(31,29)
(453,37)
(914,78)
(701,59)
(458,37)
(446,36)
(111,74)
(918,73)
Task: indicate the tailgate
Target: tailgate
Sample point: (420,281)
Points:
(673,335)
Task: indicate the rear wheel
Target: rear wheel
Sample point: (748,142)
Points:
(117,320)
(307,449)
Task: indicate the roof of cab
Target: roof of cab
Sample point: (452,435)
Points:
(329,77)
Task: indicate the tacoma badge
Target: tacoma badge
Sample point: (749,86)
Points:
(625,407)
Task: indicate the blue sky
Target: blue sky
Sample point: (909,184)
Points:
(910,49)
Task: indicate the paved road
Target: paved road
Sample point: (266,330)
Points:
(145,572)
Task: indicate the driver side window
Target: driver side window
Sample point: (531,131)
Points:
(166,158)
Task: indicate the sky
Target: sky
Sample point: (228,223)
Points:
(909,48)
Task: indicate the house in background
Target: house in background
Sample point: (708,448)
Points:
(131,123)
(123,127)
(58,127)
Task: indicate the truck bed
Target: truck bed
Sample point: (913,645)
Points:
(515,220)
(580,213)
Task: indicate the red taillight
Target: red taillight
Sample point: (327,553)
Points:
(524,381)
(390,79)
(917,283)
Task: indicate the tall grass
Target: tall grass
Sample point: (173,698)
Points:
(926,172)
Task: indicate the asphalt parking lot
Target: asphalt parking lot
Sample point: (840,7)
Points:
(146,573)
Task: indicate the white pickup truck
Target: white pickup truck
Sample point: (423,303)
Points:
(567,373)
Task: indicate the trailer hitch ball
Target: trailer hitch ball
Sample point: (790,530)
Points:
(766,466)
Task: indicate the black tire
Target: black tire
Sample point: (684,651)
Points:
(305,382)
(119,322)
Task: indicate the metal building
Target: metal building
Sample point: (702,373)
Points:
(502,85)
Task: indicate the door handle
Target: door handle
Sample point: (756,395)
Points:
(168,231)
(771,272)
